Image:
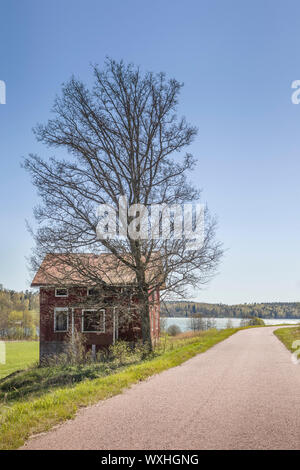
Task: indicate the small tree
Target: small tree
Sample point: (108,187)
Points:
(211,323)
(197,322)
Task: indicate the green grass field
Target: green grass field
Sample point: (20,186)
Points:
(19,355)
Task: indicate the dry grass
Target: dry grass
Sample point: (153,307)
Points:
(188,334)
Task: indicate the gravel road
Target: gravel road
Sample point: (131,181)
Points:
(243,393)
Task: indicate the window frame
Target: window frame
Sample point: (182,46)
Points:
(61,309)
(101,310)
(61,288)
(90,295)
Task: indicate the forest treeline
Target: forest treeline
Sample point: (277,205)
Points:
(19,314)
(260,310)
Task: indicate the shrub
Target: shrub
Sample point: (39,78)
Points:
(123,352)
(141,350)
(174,330)
(256,321)
(74,353)
(76,348)
(120,352)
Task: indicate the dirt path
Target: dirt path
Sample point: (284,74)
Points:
(244,393)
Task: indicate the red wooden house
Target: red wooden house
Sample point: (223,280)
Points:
(67,304)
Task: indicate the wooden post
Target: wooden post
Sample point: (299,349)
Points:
(94,352)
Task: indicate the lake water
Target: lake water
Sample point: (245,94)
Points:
(221,323)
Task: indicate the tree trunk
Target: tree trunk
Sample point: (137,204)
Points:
(146,327)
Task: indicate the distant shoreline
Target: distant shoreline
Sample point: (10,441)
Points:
(268,311)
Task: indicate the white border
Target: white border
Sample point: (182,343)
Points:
(92,310)
(61,309)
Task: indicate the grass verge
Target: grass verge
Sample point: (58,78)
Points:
(287,336)
(25,418)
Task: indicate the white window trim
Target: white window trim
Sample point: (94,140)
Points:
(57,288)
(61,309)
(92,310)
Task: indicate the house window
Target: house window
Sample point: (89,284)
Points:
(92,291)
(61,320)
(93,321)
(59,292)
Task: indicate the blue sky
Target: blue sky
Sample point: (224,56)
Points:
(237,60)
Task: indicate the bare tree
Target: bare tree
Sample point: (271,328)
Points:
(197,322)
(123,138)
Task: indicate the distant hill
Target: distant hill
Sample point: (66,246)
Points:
(261,310)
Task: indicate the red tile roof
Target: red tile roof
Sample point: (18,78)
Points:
(83,269)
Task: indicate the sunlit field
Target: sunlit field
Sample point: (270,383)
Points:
(19,355)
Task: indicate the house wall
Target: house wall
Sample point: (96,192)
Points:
(52,342)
